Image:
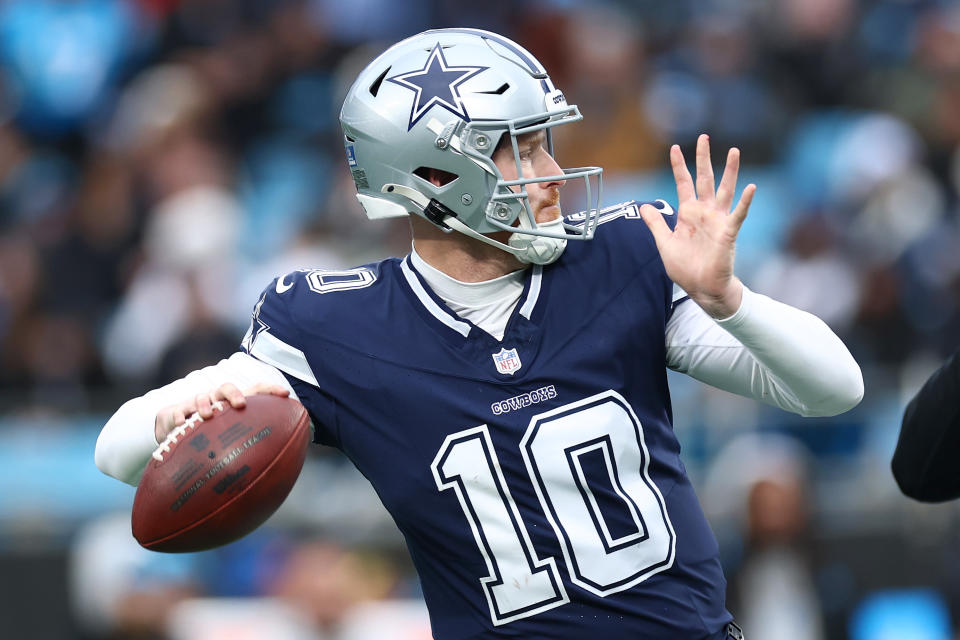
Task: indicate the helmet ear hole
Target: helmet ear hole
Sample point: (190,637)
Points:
(436,177)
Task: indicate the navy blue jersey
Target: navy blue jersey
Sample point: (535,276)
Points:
(537,480)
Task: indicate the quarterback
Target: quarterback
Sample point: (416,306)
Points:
(503,386)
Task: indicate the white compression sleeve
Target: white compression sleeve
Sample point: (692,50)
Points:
(127,440)
(769,351)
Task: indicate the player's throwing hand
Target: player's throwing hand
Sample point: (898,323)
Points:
(698,254)
(170,417)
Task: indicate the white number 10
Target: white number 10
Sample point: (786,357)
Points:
(564,450)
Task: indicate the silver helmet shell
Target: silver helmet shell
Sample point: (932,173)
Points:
(443,99)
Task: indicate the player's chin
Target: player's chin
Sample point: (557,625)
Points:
(548,213)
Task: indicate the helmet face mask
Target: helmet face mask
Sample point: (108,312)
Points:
(443,100)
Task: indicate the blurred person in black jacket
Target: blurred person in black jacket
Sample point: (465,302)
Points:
(925,461)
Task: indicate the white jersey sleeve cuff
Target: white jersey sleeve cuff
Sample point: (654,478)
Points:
(768,351)
(127,440)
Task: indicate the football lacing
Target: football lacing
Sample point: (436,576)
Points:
(181,431)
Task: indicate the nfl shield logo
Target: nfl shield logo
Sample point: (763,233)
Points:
(507,361)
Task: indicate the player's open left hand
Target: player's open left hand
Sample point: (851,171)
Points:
(170,417)
(698,253)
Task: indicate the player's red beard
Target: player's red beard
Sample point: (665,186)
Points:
(552,200)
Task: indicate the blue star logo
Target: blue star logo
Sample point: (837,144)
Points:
(257,326)
(436,84)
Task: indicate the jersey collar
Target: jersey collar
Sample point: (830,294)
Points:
(435,306)
(469,294)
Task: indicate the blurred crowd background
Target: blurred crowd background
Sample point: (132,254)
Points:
(162,160)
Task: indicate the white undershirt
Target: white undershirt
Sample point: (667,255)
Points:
(767,350)
(487,304)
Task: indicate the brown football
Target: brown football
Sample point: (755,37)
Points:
(222,477)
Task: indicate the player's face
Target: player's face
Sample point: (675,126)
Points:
(535,162)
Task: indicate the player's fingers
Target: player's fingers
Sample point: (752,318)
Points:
(655,222)
(681,175)
(170,418)
(267,388)
(164,423)
(183,411)
(705,189)
(204,405)
(740,213)
(232,394)
(277,390)
(728,183)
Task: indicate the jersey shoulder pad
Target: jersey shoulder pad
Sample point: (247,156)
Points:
(318,292)
(324,281)
(625,245)
(628,211)
(667,211)
(299,299)
(622,231)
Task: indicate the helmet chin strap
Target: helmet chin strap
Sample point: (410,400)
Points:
(538,249)
(525,247)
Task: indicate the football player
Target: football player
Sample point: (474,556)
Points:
(503,386)
(925,461)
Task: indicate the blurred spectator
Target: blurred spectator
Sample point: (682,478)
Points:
(810,265)
(19,288)
(313,589)
(814,62)
(398,619)
(159,100)
(190,241)
(761,485)
(121,590)
(603,64)
(239,619)
(325,581)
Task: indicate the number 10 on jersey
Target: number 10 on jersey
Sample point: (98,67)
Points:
(564,451)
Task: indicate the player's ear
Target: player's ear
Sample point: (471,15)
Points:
(436,177)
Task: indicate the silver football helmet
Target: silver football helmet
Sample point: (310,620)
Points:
(443,99)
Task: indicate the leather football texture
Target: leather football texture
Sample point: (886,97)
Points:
(214,481)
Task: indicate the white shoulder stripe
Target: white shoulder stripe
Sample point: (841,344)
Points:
(460,327)
(276,352)
(534,292)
